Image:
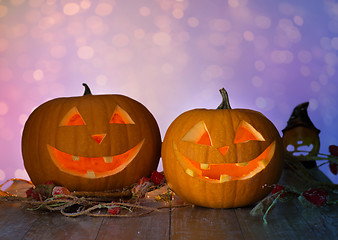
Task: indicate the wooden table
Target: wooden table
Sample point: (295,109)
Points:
(288,220)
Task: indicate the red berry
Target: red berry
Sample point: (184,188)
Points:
(29,192)
(34,194)
(277,190)
(58,190)
(333,149)
(316,196)
(157,178)
(114,210)
(333,168)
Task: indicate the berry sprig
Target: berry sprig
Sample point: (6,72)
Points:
(143,186)
(313,197)
(333,149)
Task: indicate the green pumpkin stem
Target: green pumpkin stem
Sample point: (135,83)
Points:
(87,90)
(225,104)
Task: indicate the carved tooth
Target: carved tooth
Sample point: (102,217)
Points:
(224,178)
(189,172)
(204,166)
(242,164)
(76,158)
(91,174)
(108,159)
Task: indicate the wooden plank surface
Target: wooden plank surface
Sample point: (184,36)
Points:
(291,221)
(288,220)
(322,221)
(284,222)
(153,226)
(15,222)
(203,223)
(55,226)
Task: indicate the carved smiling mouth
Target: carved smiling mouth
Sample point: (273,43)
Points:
(93,167)
(219,173)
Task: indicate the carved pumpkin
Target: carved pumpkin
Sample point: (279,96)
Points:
(301,135)
(222,158)
(91,142)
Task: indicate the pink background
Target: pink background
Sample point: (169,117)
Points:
(171,55)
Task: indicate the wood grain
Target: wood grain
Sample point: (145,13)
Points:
(55,226)
(15,221)
(322,221)
(154,226)
(284,222)
(204,223)
(289,220)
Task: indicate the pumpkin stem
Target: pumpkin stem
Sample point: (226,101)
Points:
(87,90)
(225,104)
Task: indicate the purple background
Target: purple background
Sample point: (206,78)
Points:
(170,55)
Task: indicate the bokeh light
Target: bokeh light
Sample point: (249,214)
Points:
(171,55)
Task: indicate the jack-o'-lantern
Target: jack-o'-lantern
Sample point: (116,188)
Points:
(91,142)
(222,158)
(300,136)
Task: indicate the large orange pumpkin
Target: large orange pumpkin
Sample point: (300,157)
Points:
(222,158)
(91,142)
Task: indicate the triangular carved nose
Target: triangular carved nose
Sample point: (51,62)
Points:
(223,150)
(98,137)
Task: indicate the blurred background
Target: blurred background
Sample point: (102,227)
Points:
(171,55)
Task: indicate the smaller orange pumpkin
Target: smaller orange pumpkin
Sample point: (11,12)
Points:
(91,142)
(222,158)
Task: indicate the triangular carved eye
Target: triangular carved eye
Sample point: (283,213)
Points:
(198,134)
(120,116)
(246,132)
(72,118)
